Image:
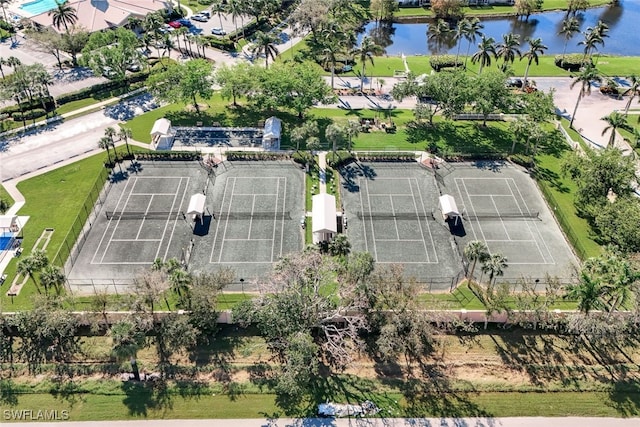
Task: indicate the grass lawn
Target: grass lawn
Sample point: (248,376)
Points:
(6,196)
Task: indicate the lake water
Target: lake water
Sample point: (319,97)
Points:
(623,21)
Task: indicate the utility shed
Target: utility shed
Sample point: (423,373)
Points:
(323,220)
(196,206)
(448,207)
(162,134)
(272,133)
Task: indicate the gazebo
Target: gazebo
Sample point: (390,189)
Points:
(271,134)
(162,134)
(449,208)
(9,224)
(323,220)
(196,207)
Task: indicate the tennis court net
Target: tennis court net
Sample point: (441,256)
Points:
(143,215)
(253,215)
(507,216)
(396,215)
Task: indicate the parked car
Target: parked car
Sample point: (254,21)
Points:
(199,18)
(186,22)
(514,82)
(175,24)
(108,72)
(205,13)
(134,67)
(218,31)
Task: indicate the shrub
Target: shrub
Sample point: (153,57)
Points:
(339,159)
(522,160)
(256,155)
(572,61)
(303,157)
(28,115)
(205,2)
(168,155)
(220,43)
(438,62)
(386,157)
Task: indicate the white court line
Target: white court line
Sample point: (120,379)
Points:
(364,221)
(136,240)
(153,194)
(245,262)
(484,238)
(143,219)
(424,211)
(253,208)
(512,240)
(399,240)
(226,223)
(106,249)
(395,222)
(248,240)
(175,220)
(392,194)
(275,218)
(254,194)
(373,232)
(553,260)
(464,205)
(215,238)
(405,262)
(284,205)
(95,254)
(498,212)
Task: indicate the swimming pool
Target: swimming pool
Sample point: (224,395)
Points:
(5,241)
(40,6)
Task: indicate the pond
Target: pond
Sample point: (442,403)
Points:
(411,38)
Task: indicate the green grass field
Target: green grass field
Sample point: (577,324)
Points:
(5,195)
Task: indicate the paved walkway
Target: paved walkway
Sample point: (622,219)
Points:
(322,166)
(361,422)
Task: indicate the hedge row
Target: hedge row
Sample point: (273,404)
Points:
(572,61)
(386,157)
(339,159)
(438,62)
(102,88)
(11,110)
(28,115)
(220,43)
(303,157)
(256,155)
(169,155)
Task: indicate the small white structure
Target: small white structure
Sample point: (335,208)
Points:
(271,134)
(162,134)
(9,224)
(449,208)
(196,207)
(323,220)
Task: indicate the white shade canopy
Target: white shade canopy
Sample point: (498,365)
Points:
(272,128)
(8,222)
(324,214)
(448,206)
(196,204)
(161,127)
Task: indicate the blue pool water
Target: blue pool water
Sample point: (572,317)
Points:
(39,6)
(5,241)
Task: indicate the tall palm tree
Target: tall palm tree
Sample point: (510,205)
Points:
(329,58)
(42,80)
(265,43)
(635,86)
(366,51)
(461,31)
(104,143)
(28,267)
(2,62)
(475,251)
(614,121)
(52,276)
(486,51)
(3,4)
(588,75)
(594,36)
(494,266)
(508,49)
(587,292)
(218,7)
(124,134)
(472,31)
(63,15)
(570,27)
(235,8)
(536,48)
(436,33)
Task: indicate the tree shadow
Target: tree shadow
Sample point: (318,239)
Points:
(8,393)
(68,391)
(625,397)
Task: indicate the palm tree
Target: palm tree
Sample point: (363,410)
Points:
(124,134)
(593,37)
(329,58)
(508,49)
(587,76)
(472,32)
(180,281)
(436,33)
(52,276)
(614,121)
(461,30)
(486,50)
(104,143)
(635,86)
(219,8)
(587,292)
(366,51)
(475,251)
(128,338)
(265,43)
(494,265)
(3,4)
(352,130)
(63,15)
(536,48)
(2,62)
(339,245)
(235,8)
(570,26)
(28,266)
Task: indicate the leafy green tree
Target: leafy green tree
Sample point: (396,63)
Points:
(4,205)
(585,78)
(486,51)
(335,135)
(110,53)
(173,334)
(475,251)
(339,246)
(527,7)
(64,15)
(303,132)
(358,269)
(536,48)
(491,94)
(382,10)
(366,51)
(575,6)
(183,82)
(203,313)
(235,81)
(570,27)
(617,224)
(300,365)
(447,9)
(526,130)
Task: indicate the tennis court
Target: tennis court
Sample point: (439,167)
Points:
(257,210)
(141,220)
(391,210)
(502,206)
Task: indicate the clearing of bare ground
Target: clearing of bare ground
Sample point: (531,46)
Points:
(535,373)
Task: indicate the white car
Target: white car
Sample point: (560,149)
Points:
(218,31)
(200,18)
